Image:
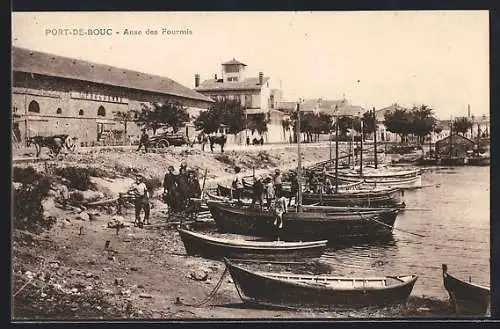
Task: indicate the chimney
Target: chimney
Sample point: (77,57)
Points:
(468,110)
(196,80)
(215,76)
(261,78)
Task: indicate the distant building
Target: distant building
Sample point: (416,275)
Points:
(458,144)
(59,95)
(255,94)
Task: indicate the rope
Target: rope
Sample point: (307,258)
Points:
(268,304)
(210,296)
(391,227)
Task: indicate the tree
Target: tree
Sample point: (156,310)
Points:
(124,117)
(155,116)
(368,122)
(223,112)
(258,122)
(462,124)
(423,122)
(399,122)
(347,123)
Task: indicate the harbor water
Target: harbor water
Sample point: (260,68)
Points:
(452,213)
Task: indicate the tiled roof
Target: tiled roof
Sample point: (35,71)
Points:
(286,106)
(233,62)
(349,110)
(24,60)
(247,84)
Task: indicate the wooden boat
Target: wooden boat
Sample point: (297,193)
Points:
(478,161)
(467,298)
(389,177)
(363,197)
(216,248)
(309,222)
(280,289)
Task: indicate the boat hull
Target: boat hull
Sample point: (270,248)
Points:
(256,287)
(309,224)
(467,298)
(394,182)
(357,198)
(202,245)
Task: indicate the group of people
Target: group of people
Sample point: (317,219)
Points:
(178,189)
(269,188)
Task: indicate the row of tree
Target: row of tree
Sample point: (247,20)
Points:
(419,121)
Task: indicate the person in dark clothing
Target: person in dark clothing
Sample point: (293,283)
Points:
(169,187)
(144,141)
(194,191)
(183,166)
(182,189)
(258,191)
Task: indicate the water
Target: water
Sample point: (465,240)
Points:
(456,226)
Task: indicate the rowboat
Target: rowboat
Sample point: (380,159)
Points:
(362,197)
(389,177)
(281,289)
(212,247)
(467,298)
(308,222)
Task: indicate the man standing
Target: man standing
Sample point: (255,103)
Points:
(278,185)
(269,188)
(203,140)
(194,191)
(182,188)
(144,141)
(279,209)
(169,186)
(258,190)
(141,200)
(237,184)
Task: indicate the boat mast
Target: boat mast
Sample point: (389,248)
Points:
(361,153)
(299,162)
(451,133)
(375,138)
(351,147)
(336,155)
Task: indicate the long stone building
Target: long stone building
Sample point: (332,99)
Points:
(59,95)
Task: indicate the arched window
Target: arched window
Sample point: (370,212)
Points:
(59,111)
(80,112)
(34,107)
(101,111)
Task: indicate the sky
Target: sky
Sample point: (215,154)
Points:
(374,59)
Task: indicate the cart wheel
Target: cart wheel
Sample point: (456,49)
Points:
(163,144)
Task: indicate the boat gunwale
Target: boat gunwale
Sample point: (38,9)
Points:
(286,246)
(271,276)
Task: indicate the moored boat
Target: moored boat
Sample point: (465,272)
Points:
(283,289)
(214,247)
(467,298)
(362,197)
(335,224)
(389,177)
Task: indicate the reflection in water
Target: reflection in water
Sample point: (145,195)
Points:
(456,229)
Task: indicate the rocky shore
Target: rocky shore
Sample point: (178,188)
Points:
(93,264)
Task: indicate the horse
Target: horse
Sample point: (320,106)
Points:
(54,143)
(221,140)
